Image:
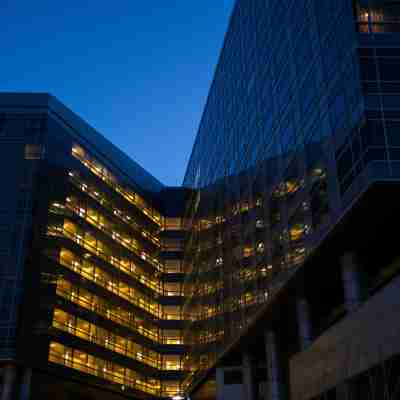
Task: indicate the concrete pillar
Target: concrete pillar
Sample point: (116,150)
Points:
(220,383)
(274,391)
(248,377)
(343,391)
(304,323)
(9,377)
(351,281)
(26,384)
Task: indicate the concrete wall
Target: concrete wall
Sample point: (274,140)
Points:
(361,340)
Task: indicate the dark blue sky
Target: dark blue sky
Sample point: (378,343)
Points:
(138,71)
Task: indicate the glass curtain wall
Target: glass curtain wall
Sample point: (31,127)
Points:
(286,93)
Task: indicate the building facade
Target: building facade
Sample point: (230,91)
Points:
(300,125)
(264,275)
(91,263)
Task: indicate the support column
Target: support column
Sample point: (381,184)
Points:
(351,281)
(248,377)
(26,384)
(220,383)
(304,323)
(343,391)
(9,376)
(274,391)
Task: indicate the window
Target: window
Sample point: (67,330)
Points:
(368,69)
(172,266)
(173,224)
(2,124)
(393,132)
(33,152)
(172,313)
(172,337)
(171,363)
(172,289)
(247,251)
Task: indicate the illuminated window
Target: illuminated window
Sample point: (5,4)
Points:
(172,266)
(171,390)
(247,251)
(33,152)
(173,224)
(171,363)
(92,333)
(172,337)
(297,232)
(172,312)
(110,371)
(79,153)
(172,289)
(219,219)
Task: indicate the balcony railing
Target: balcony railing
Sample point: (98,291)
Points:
(107,204)
(104,226)
(91,365)
(102,173)
(101,278)
(99,306)
(124,265)
(103,340)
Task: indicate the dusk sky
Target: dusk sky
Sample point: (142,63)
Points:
(138,71)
